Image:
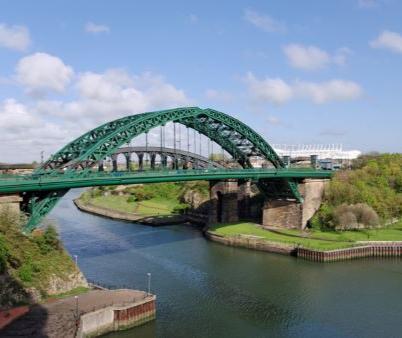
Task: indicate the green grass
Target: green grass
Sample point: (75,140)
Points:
(28,261)
(74,292)
(391,233)
(154,206)
(314,239)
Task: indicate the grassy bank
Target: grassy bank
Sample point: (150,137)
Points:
(314,239)
(153,206)
(148,200)
(30,261)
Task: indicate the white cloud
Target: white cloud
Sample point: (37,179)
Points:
(306,57)
(218,95)
(278,91)
(269,89)
(24,134)
(94,28)
(14,37)
(263,21)
(49,124)
(113,94)
(41,72)
(388,40)
(333,90)
(312,57)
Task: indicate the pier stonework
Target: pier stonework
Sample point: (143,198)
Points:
(10,203)
(290,213)
(223,202)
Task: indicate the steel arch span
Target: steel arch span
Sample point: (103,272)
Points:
(235,137)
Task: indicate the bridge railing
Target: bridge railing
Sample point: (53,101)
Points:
(151,173)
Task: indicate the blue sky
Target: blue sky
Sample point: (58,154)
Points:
(296,71)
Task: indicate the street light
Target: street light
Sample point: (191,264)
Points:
(149,283)
(76,259)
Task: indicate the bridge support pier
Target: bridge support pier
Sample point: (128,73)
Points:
(141,161)
(10,204)
(114,163)
(223,202)
(100,166)
(128,161)
(291,214)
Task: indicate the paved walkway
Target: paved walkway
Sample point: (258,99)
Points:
(59,318)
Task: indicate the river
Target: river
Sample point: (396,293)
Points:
(205,289)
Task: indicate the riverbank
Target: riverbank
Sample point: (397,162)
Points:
(158,220)
(90,314)
(314,245)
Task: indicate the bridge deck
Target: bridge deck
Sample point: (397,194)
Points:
(89,179)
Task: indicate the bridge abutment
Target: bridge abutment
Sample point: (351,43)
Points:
(290,213)
(223,202)
(10,204)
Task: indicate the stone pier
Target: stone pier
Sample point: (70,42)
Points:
(223,202)
(10,203)
(290,213)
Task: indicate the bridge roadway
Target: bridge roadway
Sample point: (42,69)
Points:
(70,180)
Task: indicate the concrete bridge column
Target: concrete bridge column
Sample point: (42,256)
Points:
(291,214)
(153,157)
(128,161)
(244,195)
(10,204)
(140,161)
(163,160)
(223,202)
(114,163)
(100,166)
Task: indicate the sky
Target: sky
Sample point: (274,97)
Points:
(297,72)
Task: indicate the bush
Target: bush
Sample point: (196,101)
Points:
(373,190)
(355,216)
(180,209)
(26,272)
(3,254)
(131,199)
(49,241)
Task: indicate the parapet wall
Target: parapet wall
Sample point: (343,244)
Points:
(115,318)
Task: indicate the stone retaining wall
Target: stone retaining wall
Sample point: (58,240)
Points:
(373,250)
(376,249)
(252,242)
(115,318)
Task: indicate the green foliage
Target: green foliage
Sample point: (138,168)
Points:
(49,241)
(32,259)
(376,180)
(4,253)
(180,208)
(26,272)
(131,199)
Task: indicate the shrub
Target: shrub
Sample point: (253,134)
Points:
(3,254)
(131,199)
(26,272)
(180,209)
(355,216)
(48,241)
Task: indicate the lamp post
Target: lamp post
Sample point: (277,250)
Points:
(76,259)
(149,283)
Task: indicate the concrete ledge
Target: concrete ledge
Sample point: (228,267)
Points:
(252,242)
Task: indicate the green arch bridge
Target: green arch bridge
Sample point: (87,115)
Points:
(73,165)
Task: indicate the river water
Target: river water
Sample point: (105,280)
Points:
(205,289)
